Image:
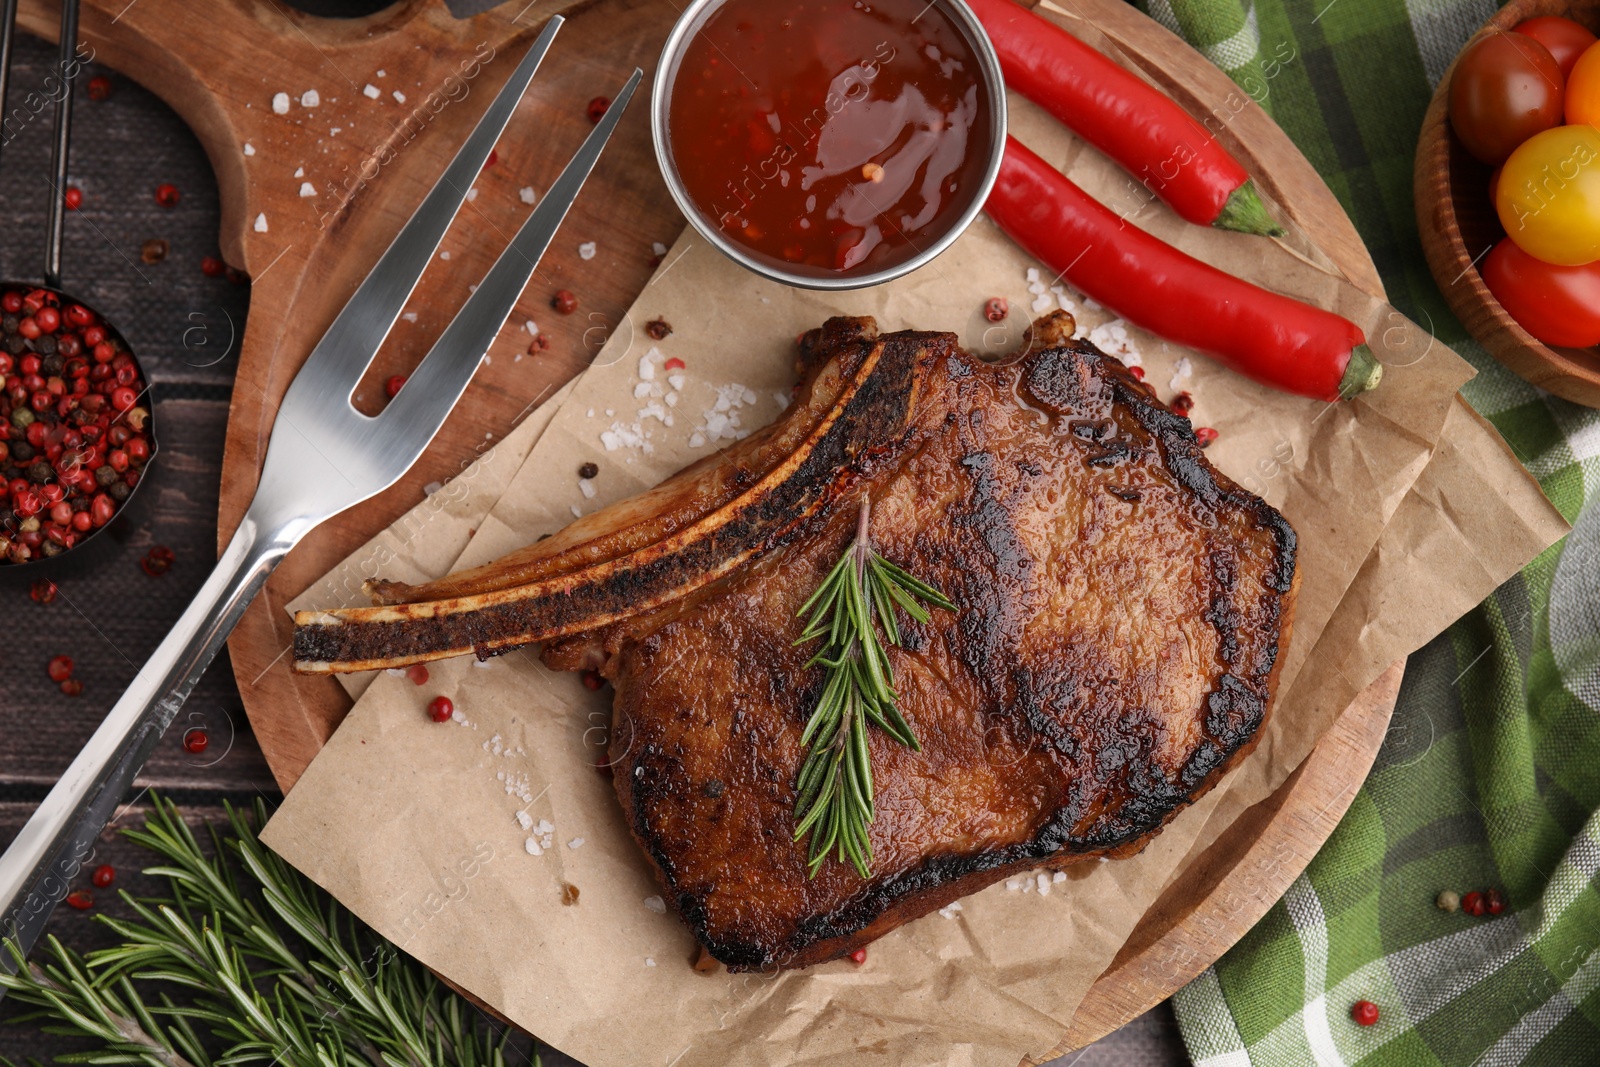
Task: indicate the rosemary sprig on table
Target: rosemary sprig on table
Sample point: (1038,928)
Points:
(834,803)
(246,962)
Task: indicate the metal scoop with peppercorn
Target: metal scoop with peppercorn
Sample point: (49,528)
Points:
(76,433)
(324,456)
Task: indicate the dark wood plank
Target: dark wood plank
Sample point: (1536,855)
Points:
(183,326)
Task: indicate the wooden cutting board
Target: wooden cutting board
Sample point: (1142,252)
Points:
(312,194)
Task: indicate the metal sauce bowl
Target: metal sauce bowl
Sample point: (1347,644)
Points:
(961,17)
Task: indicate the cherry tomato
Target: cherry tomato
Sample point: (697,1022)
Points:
(1558,305)
(1583,89)
(1506,88)
(1549,195)
(1562,38)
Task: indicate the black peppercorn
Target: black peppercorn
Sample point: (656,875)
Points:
(21,451)
(41,473)
(50,364)
(46,346)
(588,470)
(105,475)
(119,491)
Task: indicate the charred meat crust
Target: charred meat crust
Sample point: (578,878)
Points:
(1067,380)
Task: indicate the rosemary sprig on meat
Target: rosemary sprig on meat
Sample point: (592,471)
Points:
(858,597)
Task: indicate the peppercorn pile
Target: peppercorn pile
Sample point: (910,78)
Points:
(74,427)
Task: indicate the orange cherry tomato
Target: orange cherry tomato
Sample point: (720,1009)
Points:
(1563,38)
(1583,89)
(1506,88)
(1558,305)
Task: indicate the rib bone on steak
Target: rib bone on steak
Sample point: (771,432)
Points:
(1121,610)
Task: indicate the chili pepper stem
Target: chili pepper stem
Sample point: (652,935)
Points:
(1362,373)
(1245,213)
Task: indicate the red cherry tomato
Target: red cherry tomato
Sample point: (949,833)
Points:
(1558,305)
(1506,88)
(1564,39)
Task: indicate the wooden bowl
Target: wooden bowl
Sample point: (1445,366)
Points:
(1458,225)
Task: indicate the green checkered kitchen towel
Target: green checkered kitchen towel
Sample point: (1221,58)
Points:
(1490,775)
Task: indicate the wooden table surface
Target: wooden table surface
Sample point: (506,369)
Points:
(184,327)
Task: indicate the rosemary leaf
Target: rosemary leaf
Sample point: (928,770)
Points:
(834,789)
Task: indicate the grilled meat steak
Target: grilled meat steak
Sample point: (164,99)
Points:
(1121,612)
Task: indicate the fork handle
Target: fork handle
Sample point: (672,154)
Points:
(58,840)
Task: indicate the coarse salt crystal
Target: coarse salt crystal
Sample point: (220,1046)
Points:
(575,843)
(586,487)
(949,910)
(1033,274)
(261,223)
(444,255)
(648,962)
(394,672)
(525,820)
(527,195)
(532,327)
(432,488)
(697,440)
(460,718)
(310,98)
(1043,302)
(533,846)
(656,904)
(399,97)
(280,103)
(410,316)
(647,365)
(383,74)
(372,91)
(472,194)
(1015,884)
(1059,876)
(249,149)
(577,512)
(1044,884)
(586,250)
(641,390)
(300,172)
(677,381)
(307,189)
(782,398)
(1181,371)
(658,248)
(545,826)
(672,400)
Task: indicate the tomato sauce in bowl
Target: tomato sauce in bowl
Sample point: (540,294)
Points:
(829,143)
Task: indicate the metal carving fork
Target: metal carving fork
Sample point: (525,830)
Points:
(323,457)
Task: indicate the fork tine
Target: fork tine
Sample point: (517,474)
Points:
(438,382)
(356,335)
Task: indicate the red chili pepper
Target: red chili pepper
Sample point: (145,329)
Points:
(1129,120)
(1276,340)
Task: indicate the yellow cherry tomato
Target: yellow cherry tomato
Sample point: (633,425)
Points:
(1549,195)
(1583,88)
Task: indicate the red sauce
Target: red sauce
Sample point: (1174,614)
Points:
(830,136)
